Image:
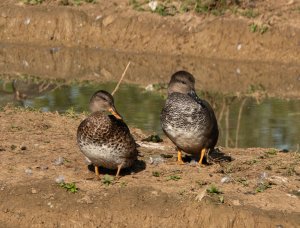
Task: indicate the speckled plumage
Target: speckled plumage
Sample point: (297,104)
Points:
(189,121)
(106,141)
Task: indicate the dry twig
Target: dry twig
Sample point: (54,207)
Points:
(117,86)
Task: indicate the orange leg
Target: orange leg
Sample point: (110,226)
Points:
(97,171)
(179,157)
(203,152)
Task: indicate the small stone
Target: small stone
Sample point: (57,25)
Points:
(28,171)
(297,170)
(156,160)
(33,191)
(193,163)
(149,87)
(154,193)
(236,203)
(25,63)
(239,47)
(54,50)
(225,180)
(23,148)
(152,5)
(290,195)
(201,195)
(86,199)
(44,167)
(27,21)
(108,20)
(60,179)
(284,151)
(98,17)
(59,161)
(278,180)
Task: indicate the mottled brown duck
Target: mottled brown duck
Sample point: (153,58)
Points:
(105,139)
(188,121)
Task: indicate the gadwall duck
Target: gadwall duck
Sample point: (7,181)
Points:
(105,139)
(188,121)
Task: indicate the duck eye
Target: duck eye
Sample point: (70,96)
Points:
(183,82)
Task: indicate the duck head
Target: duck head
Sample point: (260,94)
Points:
(181,82)
(103,101)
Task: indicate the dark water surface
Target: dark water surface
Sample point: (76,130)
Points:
(244,122)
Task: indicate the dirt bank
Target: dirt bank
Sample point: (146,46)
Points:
(261,187)
(270,34)
(69,65)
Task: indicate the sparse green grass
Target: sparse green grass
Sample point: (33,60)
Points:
(123,184)
(258,28)
(201,183)
(271,152)
(107,179)
(262,187)
(263,29)
(13,147)
(77,2)
(251,162)
(33,2)
(171,8)
(243,181)
(221,199)
(70,187)
(250,13)
(155,173)
(153,138)
(16,128)
(174,177)
(290,171)
(213,190)
(136,5)
(268,167)
(253,27)
(70,112)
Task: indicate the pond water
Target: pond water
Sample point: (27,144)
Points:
(243,122)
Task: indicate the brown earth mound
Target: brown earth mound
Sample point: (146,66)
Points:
(265,31)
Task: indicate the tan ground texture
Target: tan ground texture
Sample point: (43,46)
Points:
(261,187)
(261,190)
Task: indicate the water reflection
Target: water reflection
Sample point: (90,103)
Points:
(244,122)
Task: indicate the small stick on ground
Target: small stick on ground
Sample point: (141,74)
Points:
(117,86)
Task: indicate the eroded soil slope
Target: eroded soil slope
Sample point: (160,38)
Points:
(262,30)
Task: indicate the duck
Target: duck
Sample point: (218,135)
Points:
(105,139)
(187,120)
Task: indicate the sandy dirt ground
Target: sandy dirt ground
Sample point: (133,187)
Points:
(257,187)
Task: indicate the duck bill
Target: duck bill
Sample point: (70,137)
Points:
(114,112)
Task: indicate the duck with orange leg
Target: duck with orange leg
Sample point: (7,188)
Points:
(105,139)
(188,121)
